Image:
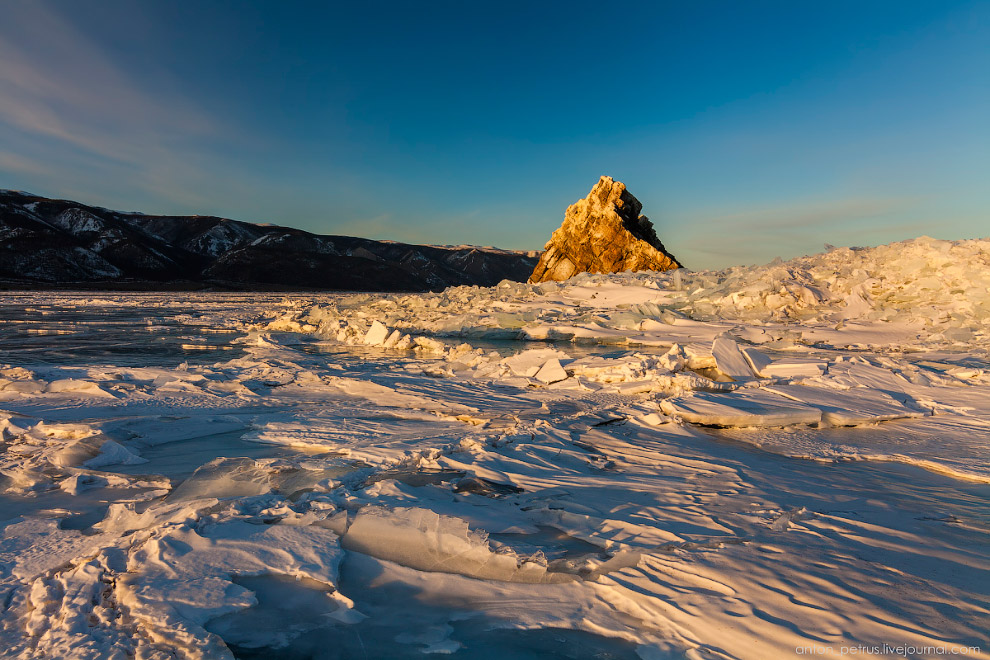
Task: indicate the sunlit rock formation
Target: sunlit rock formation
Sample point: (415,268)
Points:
(603,233)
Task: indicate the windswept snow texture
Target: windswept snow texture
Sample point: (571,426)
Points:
(767,462)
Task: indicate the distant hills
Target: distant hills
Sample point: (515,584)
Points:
(55,243)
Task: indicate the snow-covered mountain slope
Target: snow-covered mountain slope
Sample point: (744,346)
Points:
(59,242)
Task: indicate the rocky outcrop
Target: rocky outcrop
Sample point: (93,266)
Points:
(48,243)
(603,233)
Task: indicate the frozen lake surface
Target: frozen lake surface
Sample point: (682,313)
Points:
(741,464)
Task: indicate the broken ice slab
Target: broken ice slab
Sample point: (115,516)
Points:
(529,363)
(730,360)
(224,478)
(852,407)
(377,334)
(741,408)
(78,387)
(794,368)
(113,453)
(551,372)
(426,541)
(757,360)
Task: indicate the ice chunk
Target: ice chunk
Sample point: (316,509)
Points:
(77,386)
(528,363)
(428,345)
(634,387)
(377,334)
(729,359)
(81,482)
(744,408)
(427,541)
(551,372)
(652,419)
(757,360)
(112,453)
(787,518)
(395,339)
(124,517)
(848,407)
(224,478)
(23,386)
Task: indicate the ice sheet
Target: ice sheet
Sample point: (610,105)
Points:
(450,487)
(858,405)
(746,408)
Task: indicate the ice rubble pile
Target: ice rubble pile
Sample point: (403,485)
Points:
(42,455)
(917,293)
(938,287)
(933,281)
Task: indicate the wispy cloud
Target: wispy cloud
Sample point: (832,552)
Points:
(55,82)
(12,162)
(66,102)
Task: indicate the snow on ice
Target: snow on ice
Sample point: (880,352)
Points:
(730,464)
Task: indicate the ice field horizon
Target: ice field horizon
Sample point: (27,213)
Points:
(766,461)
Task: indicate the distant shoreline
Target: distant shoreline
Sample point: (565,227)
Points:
(138,286)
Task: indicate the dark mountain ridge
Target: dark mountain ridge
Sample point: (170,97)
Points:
(56,243)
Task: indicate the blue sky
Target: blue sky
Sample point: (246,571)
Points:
(749,130)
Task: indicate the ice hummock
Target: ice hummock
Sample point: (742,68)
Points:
(424,540)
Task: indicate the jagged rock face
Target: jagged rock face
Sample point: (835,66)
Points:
(603,233)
